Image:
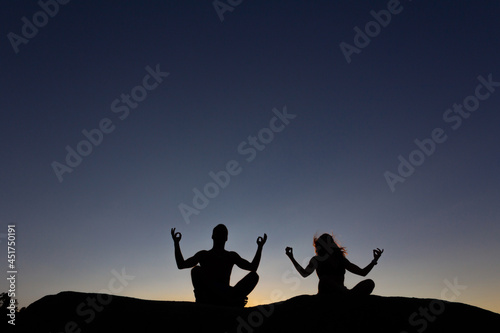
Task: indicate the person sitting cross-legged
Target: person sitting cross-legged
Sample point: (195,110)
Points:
(330,263)
(211,270)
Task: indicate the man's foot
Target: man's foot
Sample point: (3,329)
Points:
(221,299)
(239,302)
(201,297)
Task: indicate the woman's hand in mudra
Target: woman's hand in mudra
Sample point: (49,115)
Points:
(176,236)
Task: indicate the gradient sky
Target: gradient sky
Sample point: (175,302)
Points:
(324,172)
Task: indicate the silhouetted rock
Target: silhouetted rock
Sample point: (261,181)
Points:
(75,312)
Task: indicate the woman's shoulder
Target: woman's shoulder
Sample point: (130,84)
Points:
(317,259)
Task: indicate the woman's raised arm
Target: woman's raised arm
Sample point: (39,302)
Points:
(303,272)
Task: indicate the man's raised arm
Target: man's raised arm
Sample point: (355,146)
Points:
(179,258)
(245,264)
(256,260)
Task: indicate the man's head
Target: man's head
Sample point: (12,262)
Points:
(220,233)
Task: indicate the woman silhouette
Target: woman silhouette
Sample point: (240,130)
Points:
(330,264)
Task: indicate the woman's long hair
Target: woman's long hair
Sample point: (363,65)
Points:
(326,244)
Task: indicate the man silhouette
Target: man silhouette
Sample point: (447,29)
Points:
(211,278)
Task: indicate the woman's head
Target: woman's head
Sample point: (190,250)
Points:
(326,244)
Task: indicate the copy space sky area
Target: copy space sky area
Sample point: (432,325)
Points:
(376,121)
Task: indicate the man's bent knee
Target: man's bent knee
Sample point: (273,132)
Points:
(254,276)
(252,279)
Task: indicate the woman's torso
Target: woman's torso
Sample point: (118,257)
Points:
(331,268)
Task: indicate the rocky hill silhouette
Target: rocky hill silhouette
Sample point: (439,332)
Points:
(74,312)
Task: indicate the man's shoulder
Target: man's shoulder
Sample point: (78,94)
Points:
(201,253)
(218,252)
(230,256)
(229,253)
(233,256)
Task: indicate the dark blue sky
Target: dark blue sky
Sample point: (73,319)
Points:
(324,172)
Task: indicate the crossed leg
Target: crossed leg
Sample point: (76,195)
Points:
(208,291)
(364,288)
(246,285)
